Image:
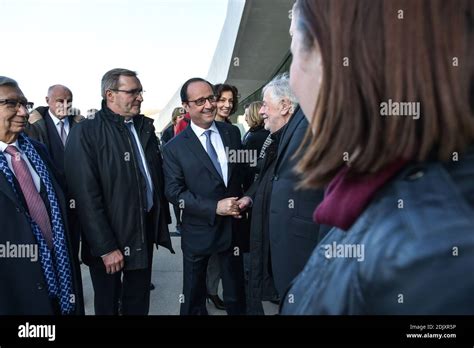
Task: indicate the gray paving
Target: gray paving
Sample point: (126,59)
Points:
(167,276)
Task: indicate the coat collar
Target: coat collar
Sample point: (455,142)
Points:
(288,131)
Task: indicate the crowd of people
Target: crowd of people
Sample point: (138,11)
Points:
(326,205)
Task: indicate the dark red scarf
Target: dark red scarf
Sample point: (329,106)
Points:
(346,198)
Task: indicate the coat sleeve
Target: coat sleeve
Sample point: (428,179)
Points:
(178,193)
(83,181)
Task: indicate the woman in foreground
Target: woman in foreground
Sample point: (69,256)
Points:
(388,90)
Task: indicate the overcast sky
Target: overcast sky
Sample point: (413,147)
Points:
(74,42)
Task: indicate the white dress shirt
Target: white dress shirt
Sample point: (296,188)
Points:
(57,123)
(216,141)
(36,178)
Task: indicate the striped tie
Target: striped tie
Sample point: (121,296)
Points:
(36,206)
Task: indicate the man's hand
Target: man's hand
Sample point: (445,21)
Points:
(113,261)
(228,207)
(244,203)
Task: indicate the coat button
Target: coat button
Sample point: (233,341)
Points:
(275,178)
(39,286)
(18,210)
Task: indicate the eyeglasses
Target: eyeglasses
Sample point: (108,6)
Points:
(133,92)
(202,101)
(16,103)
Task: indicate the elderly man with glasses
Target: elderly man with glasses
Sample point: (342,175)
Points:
(40,274)
(114,171)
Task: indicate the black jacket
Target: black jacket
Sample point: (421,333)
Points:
(168,134)
(108,188)
(293,235)
(261,286)
(253,141)
(193,184)
(44,131)
(23,289)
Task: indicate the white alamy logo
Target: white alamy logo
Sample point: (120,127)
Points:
(37,331)
(335,250)
(392,108)
(245,156)
(25,251)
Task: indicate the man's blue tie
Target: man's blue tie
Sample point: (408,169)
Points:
(149,192)
(211,151)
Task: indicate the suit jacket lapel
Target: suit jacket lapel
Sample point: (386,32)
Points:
(54,138)
(6,189)
(195,146)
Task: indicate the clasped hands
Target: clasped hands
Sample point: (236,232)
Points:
(233,206)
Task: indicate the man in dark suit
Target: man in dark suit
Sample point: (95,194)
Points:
(200,179)
(40,274)
(51,125)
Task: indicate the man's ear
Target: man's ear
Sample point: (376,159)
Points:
(47,100)
(286,107)
(109,95)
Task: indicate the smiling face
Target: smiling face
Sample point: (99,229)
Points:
(225,104)
(12,118)
(203,115)
(275,113)
(126,102)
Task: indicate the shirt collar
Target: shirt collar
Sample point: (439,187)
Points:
(200,131)
(3,145)
(57,120)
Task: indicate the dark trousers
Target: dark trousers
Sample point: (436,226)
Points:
(194,283)
(132,288)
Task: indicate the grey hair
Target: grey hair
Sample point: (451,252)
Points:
(280,89)
(53,87)
(6,81)
(111,78)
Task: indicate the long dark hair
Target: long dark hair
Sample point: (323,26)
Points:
(381,51)
(221,88)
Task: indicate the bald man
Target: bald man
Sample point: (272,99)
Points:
(51,125)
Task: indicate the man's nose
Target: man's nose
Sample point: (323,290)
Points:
(140,97)
(208,104)
(22,111)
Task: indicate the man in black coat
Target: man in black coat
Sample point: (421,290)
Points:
(119,193)
(32,231)
(292,232)
(206,185)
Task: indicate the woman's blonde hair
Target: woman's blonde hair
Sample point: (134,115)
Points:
(253,117)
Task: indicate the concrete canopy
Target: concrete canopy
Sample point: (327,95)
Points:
(254,42)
